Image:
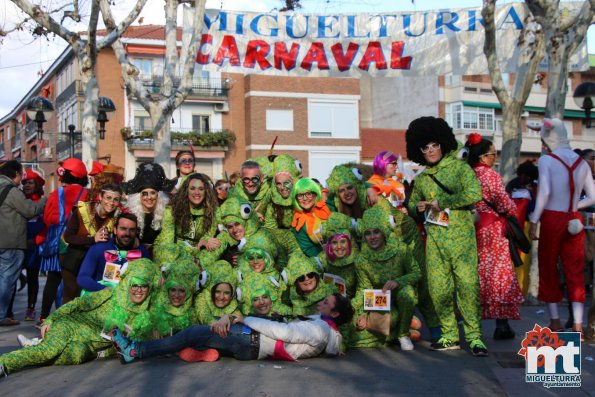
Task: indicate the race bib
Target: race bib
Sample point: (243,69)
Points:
(375,299)
(440,218)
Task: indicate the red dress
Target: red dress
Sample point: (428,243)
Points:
(500,293)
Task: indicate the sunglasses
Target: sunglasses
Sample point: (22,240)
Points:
(186,162)
(175,290)
(305,277)
(307,195)
(136,287)
(255,180)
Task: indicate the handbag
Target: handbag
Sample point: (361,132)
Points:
(378,323)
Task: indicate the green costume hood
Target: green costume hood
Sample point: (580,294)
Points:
(284,163)
(235,209)
(341,175)
(338,223)
(377,218)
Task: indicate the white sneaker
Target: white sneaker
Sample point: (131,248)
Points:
(406,343)
(26,342)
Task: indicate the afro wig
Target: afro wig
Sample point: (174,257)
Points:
(428,129)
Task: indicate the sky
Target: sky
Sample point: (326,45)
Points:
(23,59)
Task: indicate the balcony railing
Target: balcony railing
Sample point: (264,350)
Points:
(213,138)
(15,141)
(1,149)
(204,88)
(30,131)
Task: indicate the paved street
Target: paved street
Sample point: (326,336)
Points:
(366,372)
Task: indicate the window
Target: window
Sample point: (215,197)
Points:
(200,123)
(145,66)
(469,117)
(336,119)
(279,120)
(142,123)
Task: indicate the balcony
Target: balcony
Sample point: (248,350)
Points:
(74,89)
(30,131)
(211,140)
(15,142)
(201,88)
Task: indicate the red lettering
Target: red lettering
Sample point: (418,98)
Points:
(315,54)
(202,58)
(373,54)
(344,60)
(288,59)
(228,49)
(257,51)
(396,61)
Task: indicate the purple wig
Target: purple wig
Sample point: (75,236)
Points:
(382,159)
(329,250)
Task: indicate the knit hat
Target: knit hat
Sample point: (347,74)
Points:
(341,175)
(75,166)
(554,134)
(377,218)
(302,186)
(32,174)
(148,176)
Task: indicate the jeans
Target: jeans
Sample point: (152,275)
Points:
(11,261)
(236,343)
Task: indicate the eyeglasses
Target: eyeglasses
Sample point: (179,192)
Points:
(148,194)
(305,277)
(395,163)
(175,290)
(306,195)
(430,147)
(371,232)
(136,287)
(346,188)
(255,180)
(186,162)
(490,154)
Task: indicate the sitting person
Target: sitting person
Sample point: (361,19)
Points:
(119,249)
(385,263)
(257,339)
(72,334)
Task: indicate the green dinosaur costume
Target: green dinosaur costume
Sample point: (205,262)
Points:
(189,241)
(341,175)
(451,251)
(75,330)
(260,201)
(168,319)
(300,265)
(205,310)
(375,267)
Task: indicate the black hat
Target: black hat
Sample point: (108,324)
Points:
(148,176)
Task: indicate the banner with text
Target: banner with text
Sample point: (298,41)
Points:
(446,41)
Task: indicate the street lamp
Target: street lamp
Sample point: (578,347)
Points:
(583,98)
(39,109)
(106,105)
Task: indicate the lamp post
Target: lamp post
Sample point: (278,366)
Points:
(583,98)
(106,105)
(39,109)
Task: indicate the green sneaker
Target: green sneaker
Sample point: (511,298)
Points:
(478,348)
(445,344)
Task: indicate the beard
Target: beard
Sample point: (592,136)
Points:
(123,245)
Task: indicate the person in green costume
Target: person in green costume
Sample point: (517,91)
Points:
(241,229)
(385,263)
(72,334)
(443,195)
(253,187)
(217,306)
(190,221)
(309,214)
(257,270)
(173,309)
(279,215)
(303,275)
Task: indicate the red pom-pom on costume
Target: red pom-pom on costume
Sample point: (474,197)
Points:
(474,138)
(414,335)
(415,323)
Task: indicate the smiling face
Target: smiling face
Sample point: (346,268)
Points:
(307,283)
(148,199)
(256,262)
(125,232)
(138,293)
(306,200)
(347,194)
(177,295)
(391,169)
(29,187)
(489,158)
(374,238)
(185,164)
(284,185)
(251,179)
(261,305)
(340,247)
(196,192)
(222,295)
(235,230)
(109,201)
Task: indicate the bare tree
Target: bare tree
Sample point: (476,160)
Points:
(532,44)
(85,46)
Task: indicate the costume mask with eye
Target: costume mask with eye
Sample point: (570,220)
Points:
(234,209)
(284,163)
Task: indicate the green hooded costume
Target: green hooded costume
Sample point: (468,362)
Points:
(259,201)
(374,268)
(341,175)
(451,251)
(205,310)
(75,330)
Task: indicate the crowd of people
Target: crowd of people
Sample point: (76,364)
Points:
(271,264)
